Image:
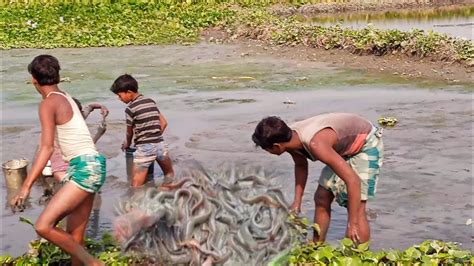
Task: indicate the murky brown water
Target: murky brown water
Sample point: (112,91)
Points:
(212,106)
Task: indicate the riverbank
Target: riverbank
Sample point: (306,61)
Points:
(395,67)
(82,25)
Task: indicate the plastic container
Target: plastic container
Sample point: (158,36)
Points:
(15,172)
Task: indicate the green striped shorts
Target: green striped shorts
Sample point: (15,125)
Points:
(366,164)
(87,172)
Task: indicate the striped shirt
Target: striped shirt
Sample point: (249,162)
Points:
(143,116)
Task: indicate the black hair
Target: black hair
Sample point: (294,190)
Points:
(124,83)
(271,130)
(45,69)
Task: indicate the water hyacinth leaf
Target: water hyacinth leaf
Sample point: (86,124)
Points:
(362,247)
(370,257)
(316,228)
(460,254)
(437,245)
(5,259)
(413,253)
(350,261)
(326,252)
(392,255)
(26,221)
(346,242)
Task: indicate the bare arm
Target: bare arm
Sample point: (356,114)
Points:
(322,147)
(46,146)
(163,123)
(91,107)
(128,138)
(301,177)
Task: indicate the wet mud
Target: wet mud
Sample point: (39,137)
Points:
(425,189)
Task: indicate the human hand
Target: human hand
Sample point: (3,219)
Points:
(352,232)
(295,207)
(18,201)
(104,112)
(125,145)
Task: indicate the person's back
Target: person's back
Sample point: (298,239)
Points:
(73,137)
(351,130)
(144,115)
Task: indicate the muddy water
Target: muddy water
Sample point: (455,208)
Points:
(213,96)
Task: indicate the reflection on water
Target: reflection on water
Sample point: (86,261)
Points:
(93,225)
(453,21)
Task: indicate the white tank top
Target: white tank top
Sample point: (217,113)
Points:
(73,137)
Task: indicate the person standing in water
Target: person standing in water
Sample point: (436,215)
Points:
(58,165)
(146,123)
(352,149)
(60,116)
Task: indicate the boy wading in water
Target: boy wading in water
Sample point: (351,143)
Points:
(147,124)
(60,118)
(352,149)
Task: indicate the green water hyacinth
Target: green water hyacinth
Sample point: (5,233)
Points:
(111,23)
(429,252)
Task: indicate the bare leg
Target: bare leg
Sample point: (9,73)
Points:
(66,201)
(322,214)
(167,167)
(364,228)
(139,176)
(77,222)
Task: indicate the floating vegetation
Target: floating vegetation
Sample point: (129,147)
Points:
(42,252)
(429,252)
(51,25)
(389,121)
(232,217)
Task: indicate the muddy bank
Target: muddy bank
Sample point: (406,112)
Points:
(394,66)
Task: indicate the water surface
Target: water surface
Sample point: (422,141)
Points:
(214,95)
(453,21)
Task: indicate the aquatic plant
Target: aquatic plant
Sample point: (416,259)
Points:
(42,252)
(429,252)
(39,24)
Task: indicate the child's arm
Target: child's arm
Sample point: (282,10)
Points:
(301,176)
(46,146)
(128,138)
(91,107)
(163,123)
